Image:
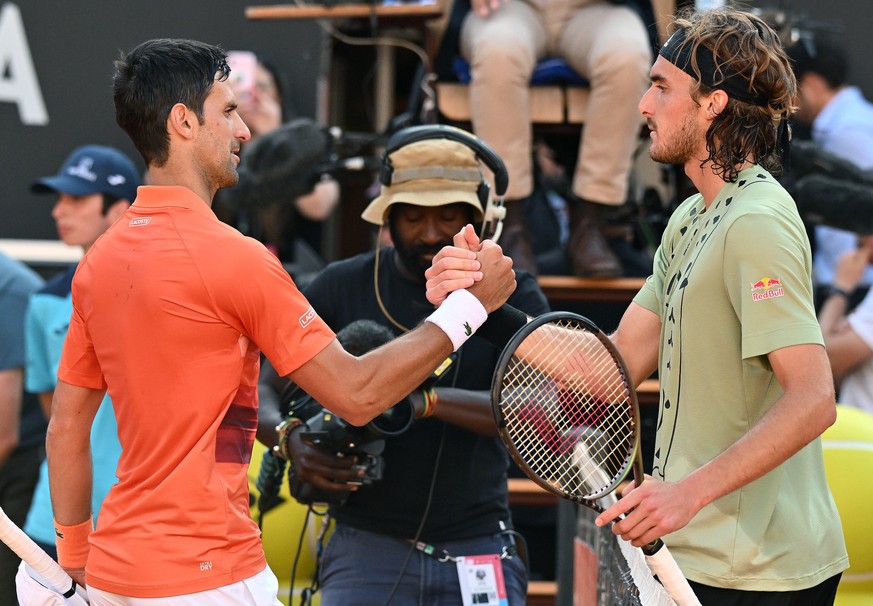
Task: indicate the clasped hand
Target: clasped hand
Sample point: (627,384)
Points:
(480,267)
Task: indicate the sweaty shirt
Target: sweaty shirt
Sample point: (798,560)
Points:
(731,284)
(171,308)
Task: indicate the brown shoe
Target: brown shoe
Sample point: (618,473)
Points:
(515,239)
(587,248)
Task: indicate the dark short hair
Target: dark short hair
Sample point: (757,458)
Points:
(821,54)
(152,78)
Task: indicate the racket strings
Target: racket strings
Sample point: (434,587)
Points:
(568,409)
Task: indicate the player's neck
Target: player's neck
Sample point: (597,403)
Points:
(706,180)
(171,174)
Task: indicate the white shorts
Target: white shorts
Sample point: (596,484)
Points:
(259,590)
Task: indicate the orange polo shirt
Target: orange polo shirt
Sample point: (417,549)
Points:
(171,308)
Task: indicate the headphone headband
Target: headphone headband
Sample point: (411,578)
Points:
(493,210)
(415,134)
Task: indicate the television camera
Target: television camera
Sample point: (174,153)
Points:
(333,435)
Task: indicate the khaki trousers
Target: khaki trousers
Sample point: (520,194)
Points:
(605,43)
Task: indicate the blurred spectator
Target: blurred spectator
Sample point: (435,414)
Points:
(547,213)
(259,91)
(94,187)
(281,224)
(840,120)
(604,42)
(22,425)
(849,339)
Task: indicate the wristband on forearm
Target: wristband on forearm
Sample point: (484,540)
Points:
(72,543)
(459,316)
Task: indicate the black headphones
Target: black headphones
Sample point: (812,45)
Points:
(493,210)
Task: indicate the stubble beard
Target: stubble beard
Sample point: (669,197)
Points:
(228,177)
(681,148)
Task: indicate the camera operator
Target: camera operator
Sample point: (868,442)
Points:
(840,120)
(273,202)
(443,490)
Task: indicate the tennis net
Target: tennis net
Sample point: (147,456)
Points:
(623,577)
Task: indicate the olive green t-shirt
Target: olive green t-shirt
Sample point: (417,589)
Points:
(732,283)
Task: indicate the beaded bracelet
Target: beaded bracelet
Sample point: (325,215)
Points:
(284,429)
(430,402)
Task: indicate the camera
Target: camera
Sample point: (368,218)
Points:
(331,434)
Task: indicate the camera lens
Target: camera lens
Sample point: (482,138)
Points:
(395,420)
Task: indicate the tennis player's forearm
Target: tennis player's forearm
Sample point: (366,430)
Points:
(797,418)
(358,389)
(68,450)
(70,478)
(636,339)
(766,446)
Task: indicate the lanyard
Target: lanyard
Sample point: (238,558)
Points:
(442,555)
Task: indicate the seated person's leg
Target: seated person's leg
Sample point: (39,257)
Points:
(609,46)
(502,49)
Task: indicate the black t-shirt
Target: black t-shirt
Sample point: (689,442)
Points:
(469,496)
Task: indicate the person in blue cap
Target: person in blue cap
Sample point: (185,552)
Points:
(94,187)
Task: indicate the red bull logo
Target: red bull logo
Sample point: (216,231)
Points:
(767,288)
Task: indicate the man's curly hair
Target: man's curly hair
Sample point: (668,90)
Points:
(743,45)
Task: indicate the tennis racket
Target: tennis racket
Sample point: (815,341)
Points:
(41,563)
(568,414)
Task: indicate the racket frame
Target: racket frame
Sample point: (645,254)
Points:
(633,460)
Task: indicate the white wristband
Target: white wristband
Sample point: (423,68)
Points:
(459,316)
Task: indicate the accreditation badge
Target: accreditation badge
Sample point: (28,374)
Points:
(481,580)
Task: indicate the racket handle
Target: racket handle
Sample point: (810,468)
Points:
(32,555)
(501,325)
(665,568)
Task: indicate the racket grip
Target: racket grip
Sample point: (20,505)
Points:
(501,325)
(32,555)
(665,568)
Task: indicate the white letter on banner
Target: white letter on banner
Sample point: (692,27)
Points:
(18,83)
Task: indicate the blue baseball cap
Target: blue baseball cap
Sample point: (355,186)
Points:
(93,169)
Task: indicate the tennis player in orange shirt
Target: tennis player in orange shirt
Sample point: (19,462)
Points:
(171,310)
